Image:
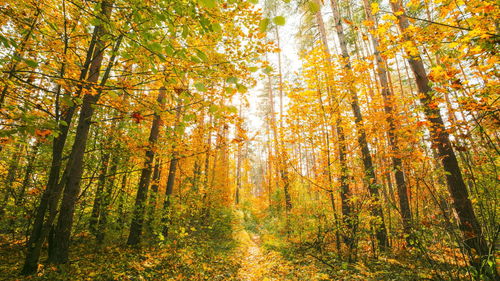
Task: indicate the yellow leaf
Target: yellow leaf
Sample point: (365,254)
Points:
(375,8)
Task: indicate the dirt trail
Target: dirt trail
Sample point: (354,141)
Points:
(260,265)
(254,265)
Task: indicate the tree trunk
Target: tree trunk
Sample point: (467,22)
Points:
(370,179)
(142,192)
(238,164)
(121,202)
(468,223)
(27,175)
(99,194)
(106,199)
(165,220)
(388,96)
(283,158)
(153,196)
(74,166)
(344,184)
(52,193)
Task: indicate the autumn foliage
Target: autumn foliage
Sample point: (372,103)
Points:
(249,140)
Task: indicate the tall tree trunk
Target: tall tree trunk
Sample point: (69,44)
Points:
(121,202)
(142,191)
(468,223)
(106,199)
(52,193)
(388,96)
(27,175)
(283,157)
(74,166)
(172,169)
(344,184)
(153,196)
(99,193)
(370,179)
(238,164)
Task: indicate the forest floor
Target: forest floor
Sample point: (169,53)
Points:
(258,264)
(247,256)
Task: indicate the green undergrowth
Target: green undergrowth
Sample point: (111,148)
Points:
(306,249)
(203,251)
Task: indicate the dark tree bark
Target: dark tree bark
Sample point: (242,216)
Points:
(388,96)
(468,223)
(121,202)
(344,178)
(27,174)
(168,193)
(171,176)
(153,195)
(142,192)
(238,167)
(52,193)
(74,166)
(370,179)
(282,154)
(106,199)
(99,193)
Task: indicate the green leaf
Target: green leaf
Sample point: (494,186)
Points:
(161,17)
(4,41)
(267,69)
(314,7)
(201,55)
(216,27)
(208,3)
(180,129)
(185,31)
(213,108)
(31,63)
(241,88)
(200,87)
(233,80)
(169,50)
(264,24)
(279,20)
(195,59)
(205,23)
(232,109)
(189,117)
(13,42)
(67,101)
(155,47)
(17,57)
(253,1)
(95,21)
(253,68)
(113,95)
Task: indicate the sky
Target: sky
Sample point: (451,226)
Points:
(291,64)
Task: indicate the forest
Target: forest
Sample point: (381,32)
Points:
(249,140)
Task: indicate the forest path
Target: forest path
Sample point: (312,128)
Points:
(254,265)
(259,264)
